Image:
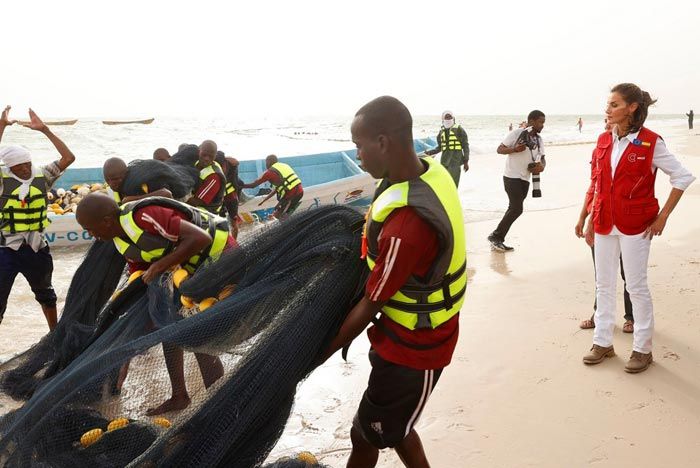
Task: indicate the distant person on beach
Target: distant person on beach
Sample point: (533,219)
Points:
(454,145)
(690,115)
(161,154)
(415,250)
(169,234)
(524,152)
(209,192)
(626,217)
(115,171)
(510,127)
(286,183)
(580,124)
(23,206)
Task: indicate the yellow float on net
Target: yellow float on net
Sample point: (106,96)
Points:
(226,292)
(307,457)
(179,276)
(90,437)
(163,422)
(187,302)
(117,424)
(206,303)
(134,275)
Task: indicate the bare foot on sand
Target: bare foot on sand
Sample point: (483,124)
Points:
(172,404)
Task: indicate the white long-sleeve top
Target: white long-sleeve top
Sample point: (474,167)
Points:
(663,159)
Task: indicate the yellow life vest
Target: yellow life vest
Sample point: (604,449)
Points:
(27,214)
(288,177)
(213,168)
(449,140)
(431,301)
(141,246)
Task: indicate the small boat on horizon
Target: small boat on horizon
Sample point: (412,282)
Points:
(123,122)
(52,122)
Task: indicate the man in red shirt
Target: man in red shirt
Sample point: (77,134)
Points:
(167,224)
(286,185)
(406,361)
(209,193)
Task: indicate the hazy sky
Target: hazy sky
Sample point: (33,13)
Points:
(155,58)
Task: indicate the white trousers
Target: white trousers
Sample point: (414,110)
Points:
(635,255)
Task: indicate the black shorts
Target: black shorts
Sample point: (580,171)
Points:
(393,402)
(287,205)
(36,267)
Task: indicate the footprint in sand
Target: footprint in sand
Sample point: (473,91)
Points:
(307,426)
(671,355)
(462,426)
(333,406)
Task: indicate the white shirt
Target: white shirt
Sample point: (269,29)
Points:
(662,159)
(516,163)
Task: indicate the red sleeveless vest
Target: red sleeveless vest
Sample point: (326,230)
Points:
(624,199)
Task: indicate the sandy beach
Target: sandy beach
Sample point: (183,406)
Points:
(516,393)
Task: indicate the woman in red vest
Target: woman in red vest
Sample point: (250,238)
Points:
(626,217)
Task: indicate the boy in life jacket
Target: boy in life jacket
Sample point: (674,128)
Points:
(157,234)
(415,248)
(210,190)
(23,211)
(286,184)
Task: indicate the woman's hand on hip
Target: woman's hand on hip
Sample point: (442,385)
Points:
(656,228)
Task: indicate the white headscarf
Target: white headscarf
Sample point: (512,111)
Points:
(448,123)
(14,155)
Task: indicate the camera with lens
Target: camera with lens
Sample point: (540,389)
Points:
(536,192)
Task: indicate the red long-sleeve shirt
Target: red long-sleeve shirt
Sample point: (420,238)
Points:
(408,245)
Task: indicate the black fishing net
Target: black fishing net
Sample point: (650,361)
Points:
(294,283)
(93,283)
(189,154)
(180,180)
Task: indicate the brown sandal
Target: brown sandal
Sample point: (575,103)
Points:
(587,324)
(628,327)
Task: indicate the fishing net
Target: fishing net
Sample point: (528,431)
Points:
(156,175)
(93,283)
(282,297)
(189,154)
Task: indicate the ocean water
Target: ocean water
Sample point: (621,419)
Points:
(481,190)
(92,142)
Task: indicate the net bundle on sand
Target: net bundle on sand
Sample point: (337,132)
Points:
(294,283)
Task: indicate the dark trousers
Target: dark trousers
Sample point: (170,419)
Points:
(628,301)
(517,192)
(36,267)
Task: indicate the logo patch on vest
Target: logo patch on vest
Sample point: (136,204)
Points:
(632,157)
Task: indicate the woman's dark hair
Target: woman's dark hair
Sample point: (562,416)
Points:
(632,93)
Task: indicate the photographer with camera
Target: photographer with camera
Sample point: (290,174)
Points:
(524,152)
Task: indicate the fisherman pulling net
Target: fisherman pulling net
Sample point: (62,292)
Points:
(274,305)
